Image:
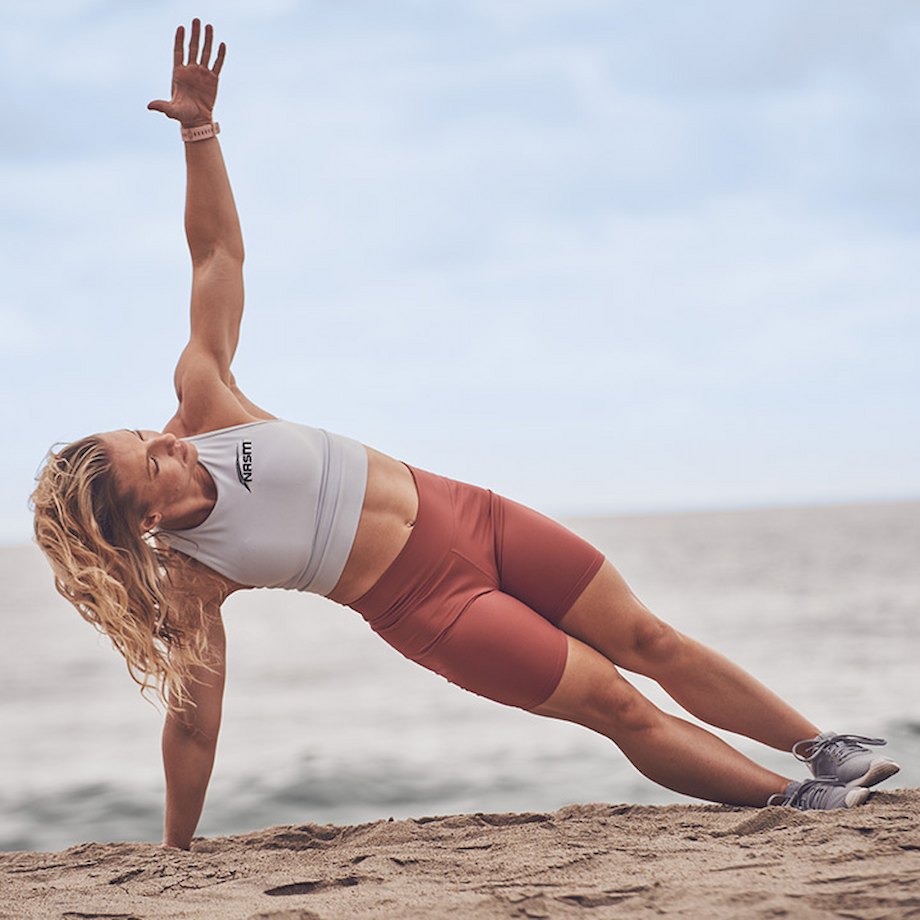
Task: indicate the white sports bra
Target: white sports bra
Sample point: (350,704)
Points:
(289,499)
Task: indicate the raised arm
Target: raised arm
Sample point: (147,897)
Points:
(215,241)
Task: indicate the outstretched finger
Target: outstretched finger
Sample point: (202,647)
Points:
(219,60)
(193,42)
(206,49)
(177,47)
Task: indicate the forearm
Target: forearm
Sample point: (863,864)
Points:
(211,221)
(187,761)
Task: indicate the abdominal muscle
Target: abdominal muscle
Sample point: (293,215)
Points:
(387,517)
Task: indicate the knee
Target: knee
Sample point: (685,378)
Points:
(618,707)
(655,645)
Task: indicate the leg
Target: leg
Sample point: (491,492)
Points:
(668,750)
(541,560)
(501,649)
(611,619)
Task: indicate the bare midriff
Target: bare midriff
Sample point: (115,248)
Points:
(386,522)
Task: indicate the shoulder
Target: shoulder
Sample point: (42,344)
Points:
(206,400)
(209,399)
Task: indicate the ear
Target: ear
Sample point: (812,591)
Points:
(150,521)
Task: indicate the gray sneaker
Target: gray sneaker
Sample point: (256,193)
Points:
(819,793)
(845,759)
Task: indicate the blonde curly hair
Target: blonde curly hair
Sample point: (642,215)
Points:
(129,585)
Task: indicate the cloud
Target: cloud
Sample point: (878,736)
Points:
(490,231)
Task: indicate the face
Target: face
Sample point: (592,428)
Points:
(157,468)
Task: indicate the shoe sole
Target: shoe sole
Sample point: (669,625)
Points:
(878,770)
(856,796)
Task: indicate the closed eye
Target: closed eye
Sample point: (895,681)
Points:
(153,460)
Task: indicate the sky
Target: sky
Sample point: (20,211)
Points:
(598,256)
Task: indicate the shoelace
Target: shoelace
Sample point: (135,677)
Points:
(829,744)
(813,793)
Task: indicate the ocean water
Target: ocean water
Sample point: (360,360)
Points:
(324,722)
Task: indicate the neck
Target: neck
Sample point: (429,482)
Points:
(195,506)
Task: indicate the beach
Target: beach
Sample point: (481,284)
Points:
(325,723)
(645,270)
(339,748)
(591,860)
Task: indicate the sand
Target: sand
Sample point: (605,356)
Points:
(592,861)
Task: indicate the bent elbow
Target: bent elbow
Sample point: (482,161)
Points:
(219,253)
(193,731)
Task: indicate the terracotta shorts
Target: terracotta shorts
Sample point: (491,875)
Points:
(475,592)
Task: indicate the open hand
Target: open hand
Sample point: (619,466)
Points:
(194,85)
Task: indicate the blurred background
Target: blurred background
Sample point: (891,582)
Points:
(607,258)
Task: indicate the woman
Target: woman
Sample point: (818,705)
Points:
(148,532)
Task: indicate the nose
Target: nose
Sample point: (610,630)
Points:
(165,441)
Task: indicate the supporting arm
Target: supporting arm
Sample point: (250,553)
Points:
(190,740)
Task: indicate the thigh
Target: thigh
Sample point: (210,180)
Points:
(611,619)
(501,649)
(541,562)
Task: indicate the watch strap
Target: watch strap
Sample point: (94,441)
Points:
(200,132)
